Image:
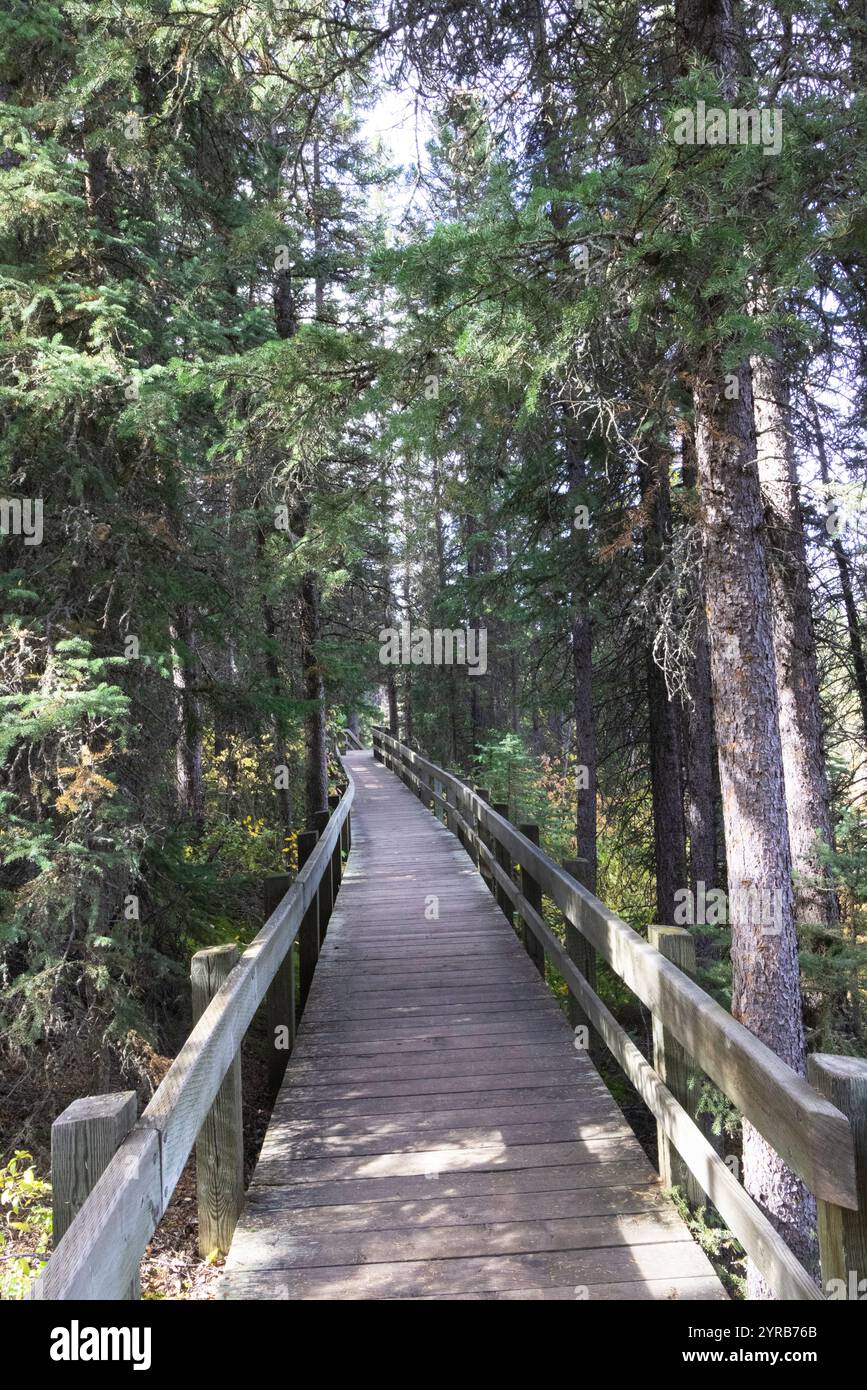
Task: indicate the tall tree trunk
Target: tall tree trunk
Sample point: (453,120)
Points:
(315,742)
(390,622)
(585,743)
(699,755)
(407,608)
(319,240)
(408,731)
(581,638)
(478,562)
(807,793)
(766,995)
(393,710)
(669,834)
(272,670)
(316,761)
(188,714)
(669,839)
(282,795)
(442,584)
(699,743)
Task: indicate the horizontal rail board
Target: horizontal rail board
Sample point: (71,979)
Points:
(782,1270)
(102,1248)
(809,1133)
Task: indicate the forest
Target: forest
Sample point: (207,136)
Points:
(493,373)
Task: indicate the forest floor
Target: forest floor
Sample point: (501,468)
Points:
(172,1267)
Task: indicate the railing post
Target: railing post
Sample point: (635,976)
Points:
(220,1144)
(504,860)
(532,891)
(673,1065)
(843,1232)
(308,932)
(454,796)
(426,794)
(346,835)
(279,1007)
(84,1140)
(484,795)
(468,842)
(336,860)
(325,892)
(449,814)
(583,957)
(377,747)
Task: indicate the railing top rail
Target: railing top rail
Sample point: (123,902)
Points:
(354,740)
(104,1243)
(808,1132)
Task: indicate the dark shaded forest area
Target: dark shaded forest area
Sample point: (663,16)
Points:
(331,327)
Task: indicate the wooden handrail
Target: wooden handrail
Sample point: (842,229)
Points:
(810,1133)
(99,1255)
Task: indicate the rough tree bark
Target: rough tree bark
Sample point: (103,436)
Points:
(408,728)
(585,744)
(807,792)
(188,714)
(581,635)
(669,835)
(478,562)
(699,741)
(316,762)
(766,993)
(282,794)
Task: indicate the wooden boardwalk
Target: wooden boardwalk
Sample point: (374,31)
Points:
(437,1136)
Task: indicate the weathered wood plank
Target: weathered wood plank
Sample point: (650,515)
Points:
(635,1173)
(435,1115)
(805,1129)
(84,1140)
(99,1255)
(273,1243)
(267,1205)
(435,1103)
(580,1269)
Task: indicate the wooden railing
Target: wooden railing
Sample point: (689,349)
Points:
(824,1142)
(113,1175)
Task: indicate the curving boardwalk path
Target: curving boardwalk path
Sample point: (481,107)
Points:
(436,1135)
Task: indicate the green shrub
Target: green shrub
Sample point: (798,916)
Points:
(25,1224)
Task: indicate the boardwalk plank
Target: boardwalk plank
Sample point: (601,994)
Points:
(437,1134)
(589,1273)
(274,1242)
(268,1204)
